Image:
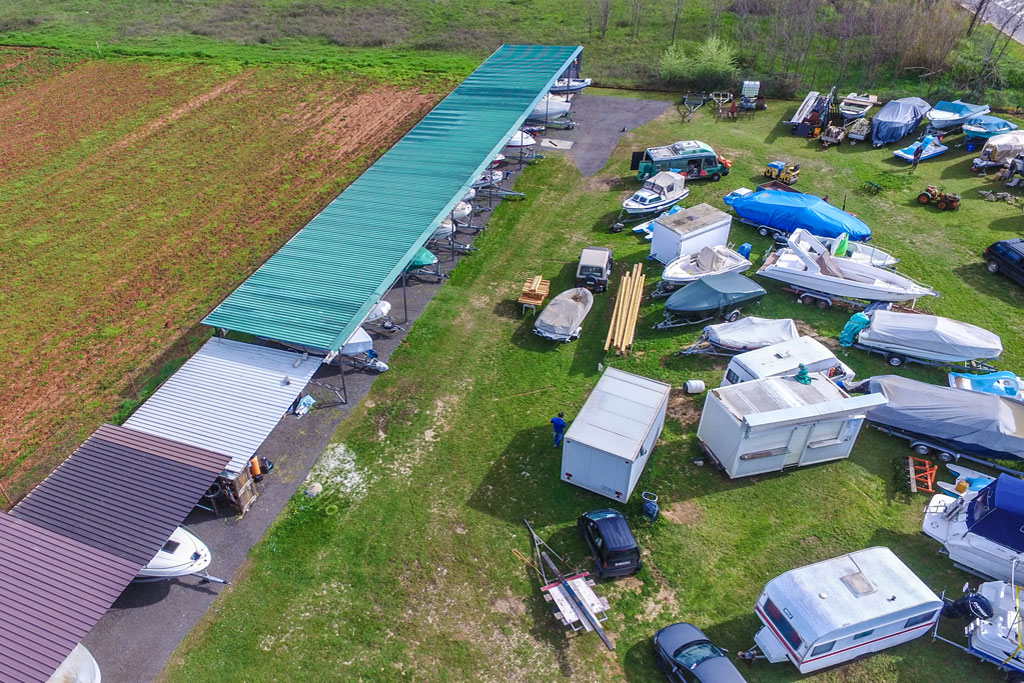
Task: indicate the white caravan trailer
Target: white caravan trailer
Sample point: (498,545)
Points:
(834,611)
(688,231)
(785,358)
(610,440)
(770,424)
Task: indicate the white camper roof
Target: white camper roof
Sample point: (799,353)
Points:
(692,220)
(619,412)
(849,592)
(774,401)
(785,355)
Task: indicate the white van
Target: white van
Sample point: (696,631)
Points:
(784,359)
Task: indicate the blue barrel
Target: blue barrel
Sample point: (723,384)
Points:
(744,250)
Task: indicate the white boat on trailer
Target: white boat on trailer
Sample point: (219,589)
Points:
(659,192)
(807,265)
(689,267)
(549,108)
(184,554)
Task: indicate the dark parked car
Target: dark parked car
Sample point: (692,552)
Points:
(1007,257)
(611,543)
(594,269)
(686,655)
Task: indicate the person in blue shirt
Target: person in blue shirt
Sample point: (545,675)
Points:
(558,422)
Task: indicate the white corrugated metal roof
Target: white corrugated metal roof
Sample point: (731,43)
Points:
(619,413)
(227,398)
(848,591)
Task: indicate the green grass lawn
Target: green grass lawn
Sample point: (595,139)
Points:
(404,569)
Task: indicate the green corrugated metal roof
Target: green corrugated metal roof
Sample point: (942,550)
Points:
(320,285)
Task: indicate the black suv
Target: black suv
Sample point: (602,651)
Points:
(611,543)
(1007,257)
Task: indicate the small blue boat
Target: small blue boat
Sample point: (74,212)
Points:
(955,113)
(1005,383)
(932,148)
(987,126)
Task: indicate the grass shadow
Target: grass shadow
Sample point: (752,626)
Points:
(780,128)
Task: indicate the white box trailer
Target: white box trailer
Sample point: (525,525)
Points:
(770,424)
(834,611)
(609,442)
(785,358)
(688,231)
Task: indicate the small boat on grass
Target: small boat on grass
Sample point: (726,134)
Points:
(745,334)
(708,261)
(921,338)
(986,127)
(710,297)
(897,119)
(1005,383)
(562,319)
(855,106)
(807,265)
(931,144)
(956,113)
(659,192)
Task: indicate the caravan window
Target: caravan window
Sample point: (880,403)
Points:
(823,648)
(863,634)
(919,619)
(782,624)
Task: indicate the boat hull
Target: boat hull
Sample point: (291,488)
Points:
(78,667)
(974,552)
(841,288)
(189,556)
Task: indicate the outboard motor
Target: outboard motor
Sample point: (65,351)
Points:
(971,606)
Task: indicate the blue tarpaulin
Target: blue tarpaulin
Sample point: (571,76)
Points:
(998,512)
(788,211)
(897,118)
(986,126)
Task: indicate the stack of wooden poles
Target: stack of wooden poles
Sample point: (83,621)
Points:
(626,311)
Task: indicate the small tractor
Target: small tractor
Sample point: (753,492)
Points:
(783,172)
(943,200)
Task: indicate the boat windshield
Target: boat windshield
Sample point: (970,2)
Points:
(692,655)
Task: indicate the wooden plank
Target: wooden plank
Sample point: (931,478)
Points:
(913,478)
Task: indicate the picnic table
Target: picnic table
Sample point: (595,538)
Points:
(535,290)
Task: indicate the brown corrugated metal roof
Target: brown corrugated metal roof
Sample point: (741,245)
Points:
(53,589)
(122,491)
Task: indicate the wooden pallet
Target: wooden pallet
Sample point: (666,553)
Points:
(535,290)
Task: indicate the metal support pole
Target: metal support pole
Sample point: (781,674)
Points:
(405,299)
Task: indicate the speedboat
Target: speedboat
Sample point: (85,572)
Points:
(995,629)
(564,85)
(519,140)
(562,319)
(77,667)
(549,108)
(807,264)
(1005,383)
(659,192)
(931,145)
(184,554)
(948,114)
(708,261)
(980,530)
(987,126)
(855,106)
(841,247)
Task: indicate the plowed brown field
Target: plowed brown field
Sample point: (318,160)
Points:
(134,196)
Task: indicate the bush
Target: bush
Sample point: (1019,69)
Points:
(712,66)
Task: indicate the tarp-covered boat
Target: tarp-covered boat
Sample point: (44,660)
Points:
(948,114)
(549,108)
(1003,147)
(561,319)
(750,333)
(919,336)
(710,297)
(932,146)
(897,119)
(775,210)
(982,425)
(987,126)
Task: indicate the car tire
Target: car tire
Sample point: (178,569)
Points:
(993,267)
(715,177)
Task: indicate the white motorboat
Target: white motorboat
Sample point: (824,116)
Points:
(564,85)
(549,108)
(980,530)
(488,179)
(995,631)
(956,113)
(462,211)
(807,264)
(861,252)
(445,229)
(184,554)
(659,192)
(78,667)
(519,140)
(707,261)
(498,160)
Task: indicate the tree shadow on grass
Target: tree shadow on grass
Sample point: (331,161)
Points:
(781,129)
(977,277)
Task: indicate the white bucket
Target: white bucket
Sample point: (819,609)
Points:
(694,386)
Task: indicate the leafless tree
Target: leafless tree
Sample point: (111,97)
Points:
(675,19)
(979,8)
(636,9)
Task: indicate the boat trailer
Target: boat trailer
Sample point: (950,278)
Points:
(572,597)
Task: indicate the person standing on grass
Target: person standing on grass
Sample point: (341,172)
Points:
(917,157)
(558,423)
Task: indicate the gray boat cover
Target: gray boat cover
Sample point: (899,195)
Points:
(563,316)
(897,118)
(1004,146)
(929,337)
(978,421)
(751,333)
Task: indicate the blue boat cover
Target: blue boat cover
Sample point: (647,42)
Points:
(997,513)
(991,124)
(897,118)
(788,211)
(959,107)
(712,292)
